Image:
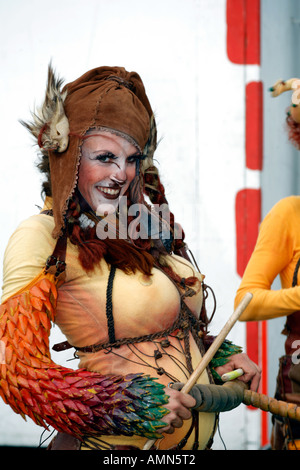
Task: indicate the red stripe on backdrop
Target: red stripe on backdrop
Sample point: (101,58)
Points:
(254,125)
(252,335)
(248,216)
(257,350)
(243,31)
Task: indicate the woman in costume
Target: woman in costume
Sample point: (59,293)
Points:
(120,290)
(277,252)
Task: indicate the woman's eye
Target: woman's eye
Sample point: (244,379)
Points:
(133,158)
(111,158)
(105,158)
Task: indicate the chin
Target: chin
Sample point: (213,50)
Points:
(105,208)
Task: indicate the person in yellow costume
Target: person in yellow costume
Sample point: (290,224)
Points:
(277,252)
(106,262)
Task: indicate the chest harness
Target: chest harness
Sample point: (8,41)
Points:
(185,323)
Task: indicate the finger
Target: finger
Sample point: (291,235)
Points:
(176,385)
(177,422)
(184,413)
(183,399)
(174,421)
(177,409)
(252,378)
(167,430)
(255,383)
(187,401)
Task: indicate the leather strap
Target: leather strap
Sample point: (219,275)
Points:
(58,257)
(109,306)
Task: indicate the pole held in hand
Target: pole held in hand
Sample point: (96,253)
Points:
(211,351)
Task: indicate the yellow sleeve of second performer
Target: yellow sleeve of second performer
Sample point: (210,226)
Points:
(275,253)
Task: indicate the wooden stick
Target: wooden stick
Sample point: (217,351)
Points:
(211,351)
(217,343)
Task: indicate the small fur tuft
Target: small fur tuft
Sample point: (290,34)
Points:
(150,146)
(50,125)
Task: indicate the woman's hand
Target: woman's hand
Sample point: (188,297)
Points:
(181,403)
(179,406)
(252,372)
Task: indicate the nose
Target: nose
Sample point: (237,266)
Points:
(119,178)
(120,174)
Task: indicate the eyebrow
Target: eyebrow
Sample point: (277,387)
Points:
(136,154)
(109,152)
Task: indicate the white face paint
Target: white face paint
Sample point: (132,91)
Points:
(107,167)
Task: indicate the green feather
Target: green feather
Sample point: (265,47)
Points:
(221,357)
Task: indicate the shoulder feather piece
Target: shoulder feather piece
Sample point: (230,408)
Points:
(50,125)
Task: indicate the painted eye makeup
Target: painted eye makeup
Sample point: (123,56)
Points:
(105,157)
(108,157)
(134,158)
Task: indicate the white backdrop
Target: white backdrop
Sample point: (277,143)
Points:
(179,49)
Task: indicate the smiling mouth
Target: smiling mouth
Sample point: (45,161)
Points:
(109,192)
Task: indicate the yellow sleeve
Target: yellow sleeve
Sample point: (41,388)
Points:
(276,253)
(26,253)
